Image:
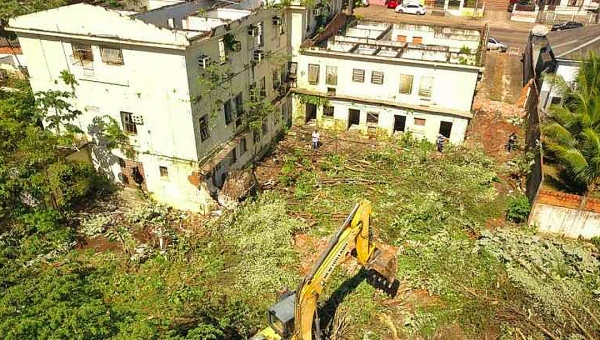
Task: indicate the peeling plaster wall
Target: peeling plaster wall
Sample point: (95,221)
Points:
(453,88)
(156,84)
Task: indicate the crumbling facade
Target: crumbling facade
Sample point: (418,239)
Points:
(389,78)
(178,80)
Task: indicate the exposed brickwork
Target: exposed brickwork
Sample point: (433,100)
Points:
(194,178)
(127,173)
(564,200)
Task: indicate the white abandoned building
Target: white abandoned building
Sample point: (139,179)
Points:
(150,72)
(177,78)
(389,78)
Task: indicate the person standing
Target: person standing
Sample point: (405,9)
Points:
(439,142)
(315,139)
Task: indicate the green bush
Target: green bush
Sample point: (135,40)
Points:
(518,209)
(596,241)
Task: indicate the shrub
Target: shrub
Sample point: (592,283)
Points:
(518,209)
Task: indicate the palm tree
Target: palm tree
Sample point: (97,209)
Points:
(572,133)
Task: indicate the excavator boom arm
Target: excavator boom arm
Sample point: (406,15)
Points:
(356,230)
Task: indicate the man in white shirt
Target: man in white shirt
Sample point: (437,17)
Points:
(315,139)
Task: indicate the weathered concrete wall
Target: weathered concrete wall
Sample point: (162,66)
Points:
(561,213)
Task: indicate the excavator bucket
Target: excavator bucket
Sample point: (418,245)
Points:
(382,270)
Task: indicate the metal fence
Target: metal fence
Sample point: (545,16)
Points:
(551,17)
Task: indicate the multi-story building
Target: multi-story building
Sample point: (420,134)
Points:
(178,80)
(389,77)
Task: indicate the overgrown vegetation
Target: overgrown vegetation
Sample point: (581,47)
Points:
(435,209)
(572,133)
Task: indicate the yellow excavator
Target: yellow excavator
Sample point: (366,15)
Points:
(293,316)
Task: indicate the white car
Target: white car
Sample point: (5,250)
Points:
(410,9)
(494,44)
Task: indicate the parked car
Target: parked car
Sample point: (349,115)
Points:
(494,44)
(393,3)
(411,9)
(566,26)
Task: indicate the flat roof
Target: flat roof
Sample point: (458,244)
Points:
(432,43)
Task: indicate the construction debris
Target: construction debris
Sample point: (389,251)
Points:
(238,186)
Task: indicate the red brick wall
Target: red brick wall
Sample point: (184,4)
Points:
(560,199)
(127,173)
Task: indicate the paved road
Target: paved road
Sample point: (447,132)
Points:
(511,37)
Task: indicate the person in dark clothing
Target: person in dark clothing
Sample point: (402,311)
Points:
(512,142)
(137,176)
(439,142)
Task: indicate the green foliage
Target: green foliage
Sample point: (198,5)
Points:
(559,276)
(106,133)
(57,110)
(257,109)
(572,133)
(465,50)
(596,242)
(518,209)
(59,303)
(311,99)
(265,261)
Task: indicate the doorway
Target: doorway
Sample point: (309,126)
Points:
(399,123)
(311,112)
(445,129)
(353,117)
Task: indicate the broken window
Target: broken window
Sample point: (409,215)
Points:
(239,103)
(277,117)
(313,74)
(425,87)
(417,40)
(293,69)
(255,136)
(82,54)
(556,100)
(243,146)
(358,76)
(276,79)
(401,38)
(406,83)
(263,87)
(265,126)
(328,111)
(372,118)
(128,124)
(283,73)
(331,75)
(164,172)
(113,56)
(232,157)
(377,77)
(420,121)
(222,51)
(260,39)
(228,112)
(204,128)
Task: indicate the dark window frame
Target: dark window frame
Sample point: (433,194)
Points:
(129,127)
(358,75)
(164,171)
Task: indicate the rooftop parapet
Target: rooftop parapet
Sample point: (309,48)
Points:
(450,45)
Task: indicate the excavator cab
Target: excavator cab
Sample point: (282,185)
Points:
(281,315)
(281,319)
